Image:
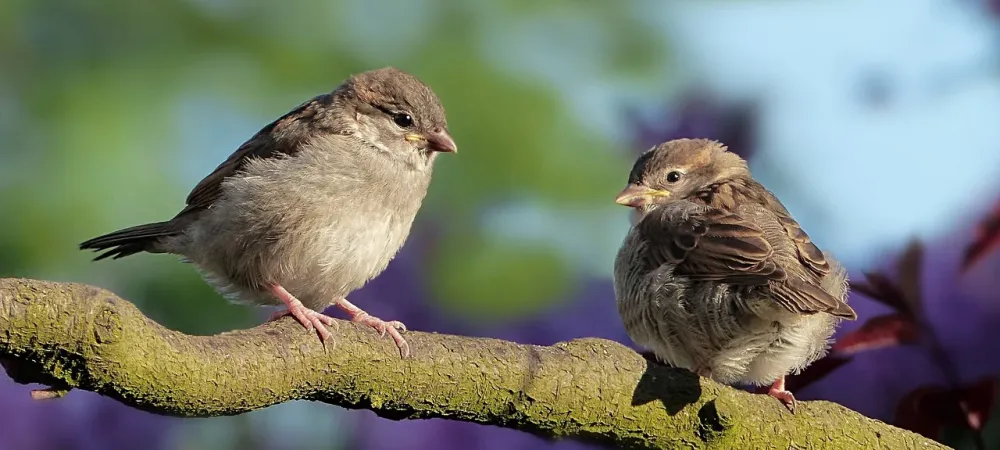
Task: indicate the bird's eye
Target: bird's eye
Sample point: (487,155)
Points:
(673,177)
(403,120)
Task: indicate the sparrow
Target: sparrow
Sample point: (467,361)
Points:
(312,206)
(715,275)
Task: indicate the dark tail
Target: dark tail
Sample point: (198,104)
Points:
(132,240)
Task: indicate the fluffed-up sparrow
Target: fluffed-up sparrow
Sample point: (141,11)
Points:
(716,276)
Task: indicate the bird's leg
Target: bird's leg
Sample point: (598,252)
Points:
(310,319)
(392,328)
(778,391)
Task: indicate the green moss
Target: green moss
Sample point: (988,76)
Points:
(72,336)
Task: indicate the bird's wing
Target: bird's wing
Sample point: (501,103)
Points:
(708,243)
(802,292)
(801,296)
(808,253)
(713,244)
(267,143)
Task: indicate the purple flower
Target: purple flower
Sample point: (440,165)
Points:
(962,310)
(699,114)
(80,421)
(375,433)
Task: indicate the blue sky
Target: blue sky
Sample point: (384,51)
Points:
(879,119)
(871,173)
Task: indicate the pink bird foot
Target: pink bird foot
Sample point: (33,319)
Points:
(785,397)
(392,328)
(309,319)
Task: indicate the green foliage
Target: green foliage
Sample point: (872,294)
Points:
(489,280)
(99,135)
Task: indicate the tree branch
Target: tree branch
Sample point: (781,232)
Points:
(73,336)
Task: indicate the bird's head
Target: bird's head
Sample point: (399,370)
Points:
(397,114)
(676,170)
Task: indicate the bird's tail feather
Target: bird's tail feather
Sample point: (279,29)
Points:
(129,241)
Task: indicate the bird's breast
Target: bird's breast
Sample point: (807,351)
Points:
(359,243)
(320,231)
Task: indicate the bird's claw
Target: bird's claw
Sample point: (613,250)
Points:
(779,392)
(785,397)
(310,320)
(392,328)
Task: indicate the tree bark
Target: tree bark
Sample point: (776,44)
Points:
(74,336)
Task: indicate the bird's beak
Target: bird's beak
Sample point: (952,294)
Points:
(438,140)
(635,196)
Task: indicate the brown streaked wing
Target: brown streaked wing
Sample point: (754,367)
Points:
(808,253)
(262,145)
(803,297)
(711,245)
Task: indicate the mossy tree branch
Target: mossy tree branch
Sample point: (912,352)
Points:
(74,336)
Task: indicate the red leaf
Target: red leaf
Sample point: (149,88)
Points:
(879,332)
(904,295)
(977,402)
(815,372)
(912,412)
(909,266)
(880,288)
(987,239)
(928,408)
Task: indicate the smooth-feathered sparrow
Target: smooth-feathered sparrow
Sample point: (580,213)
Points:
(717,277)
(314,205)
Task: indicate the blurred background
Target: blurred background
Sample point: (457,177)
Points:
(875,122)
